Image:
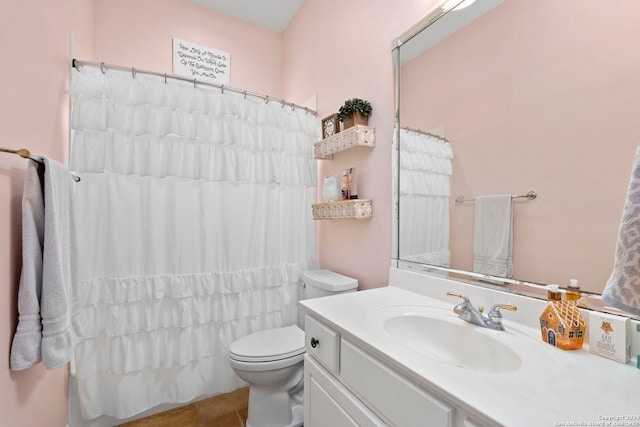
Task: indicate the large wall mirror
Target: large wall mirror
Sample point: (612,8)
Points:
(513,96)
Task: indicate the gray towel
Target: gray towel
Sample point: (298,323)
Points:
(59,270)
(493,236)
(25,348)
(623,287)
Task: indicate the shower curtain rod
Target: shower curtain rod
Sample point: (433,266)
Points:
(76,63)
(407,128)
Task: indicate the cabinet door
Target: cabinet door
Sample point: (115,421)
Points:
(396,398)
(324,410)
(329,403)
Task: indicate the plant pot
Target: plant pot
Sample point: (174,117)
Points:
(356,118)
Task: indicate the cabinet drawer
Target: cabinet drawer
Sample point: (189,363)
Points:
(323,343)
(397,399)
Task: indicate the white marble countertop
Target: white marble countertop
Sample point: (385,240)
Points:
(552,387)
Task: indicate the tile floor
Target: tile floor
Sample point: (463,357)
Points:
(225,410)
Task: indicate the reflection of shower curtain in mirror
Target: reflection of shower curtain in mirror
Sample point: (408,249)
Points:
(194,226)
(425,167)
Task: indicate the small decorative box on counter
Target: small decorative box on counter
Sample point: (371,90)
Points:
(609,336)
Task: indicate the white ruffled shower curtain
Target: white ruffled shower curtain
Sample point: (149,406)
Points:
(425,168)
(194,225)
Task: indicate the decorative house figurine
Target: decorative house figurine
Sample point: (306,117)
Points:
(561,323)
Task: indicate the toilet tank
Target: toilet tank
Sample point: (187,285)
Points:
(322,283)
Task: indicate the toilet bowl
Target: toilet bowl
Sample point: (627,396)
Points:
(271,361)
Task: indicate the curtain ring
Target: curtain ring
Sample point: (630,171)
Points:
(194,83)
(266,100)
(293,107)
(282,102)
(133,72)
(245,94)
(165,77)
(222,89)
(103,68)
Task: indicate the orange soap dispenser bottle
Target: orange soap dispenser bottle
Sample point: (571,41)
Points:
(561,323)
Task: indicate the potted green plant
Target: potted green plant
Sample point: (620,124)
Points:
(354,111)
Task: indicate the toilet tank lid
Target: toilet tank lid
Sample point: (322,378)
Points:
(329,280)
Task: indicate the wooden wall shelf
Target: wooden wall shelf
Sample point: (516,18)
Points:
(345,209)
(354,136)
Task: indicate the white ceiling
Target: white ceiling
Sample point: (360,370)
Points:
(271,14)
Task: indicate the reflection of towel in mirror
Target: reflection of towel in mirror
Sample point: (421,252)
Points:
(623,287)
(493,236)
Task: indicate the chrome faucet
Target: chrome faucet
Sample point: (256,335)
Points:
(467,312)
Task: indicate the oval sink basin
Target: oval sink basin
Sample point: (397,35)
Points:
(455,342)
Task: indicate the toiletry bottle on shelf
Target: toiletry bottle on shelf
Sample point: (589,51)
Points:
(574,294)
(353,186)
(561,323)
(344,184)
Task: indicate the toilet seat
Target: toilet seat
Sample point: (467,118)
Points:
(269,345)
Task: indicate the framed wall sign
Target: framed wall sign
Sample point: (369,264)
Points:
(201,62)
(330,126)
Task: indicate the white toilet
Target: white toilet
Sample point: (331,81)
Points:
(271,361)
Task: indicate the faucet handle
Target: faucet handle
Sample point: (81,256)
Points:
(509,307)
(495,313)
(464,297)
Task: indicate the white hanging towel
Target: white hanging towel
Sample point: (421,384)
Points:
(49,270)
(623,287)
(59,270)
(25,348)
(493,236)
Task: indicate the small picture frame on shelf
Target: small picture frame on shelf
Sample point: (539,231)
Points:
(330,126)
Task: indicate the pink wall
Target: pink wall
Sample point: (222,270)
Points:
(569,108)
(34,39)
(340,50)
(139,34)
(34,115)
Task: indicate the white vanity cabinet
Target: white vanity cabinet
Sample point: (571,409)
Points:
(346,386)
(327,401)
